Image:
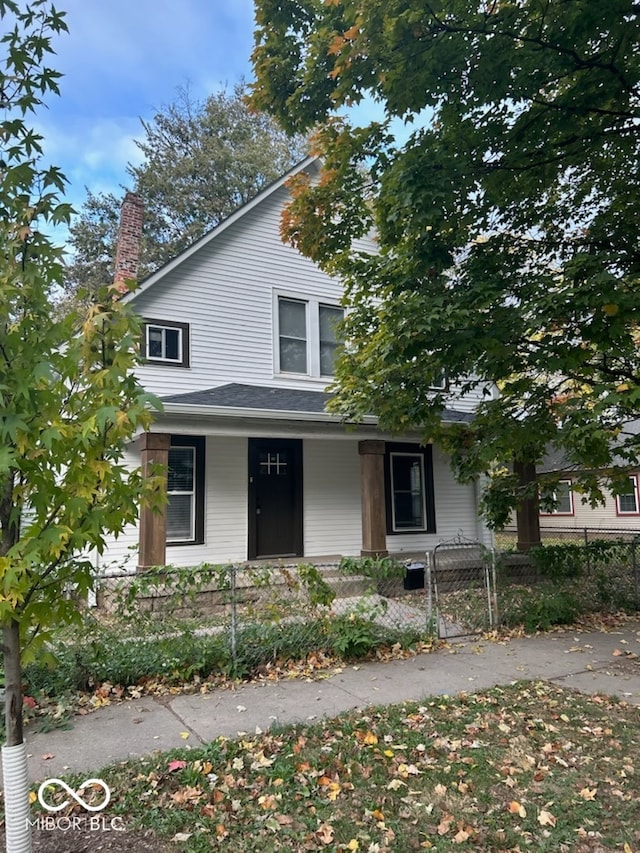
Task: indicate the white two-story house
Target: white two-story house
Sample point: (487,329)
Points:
(239,341)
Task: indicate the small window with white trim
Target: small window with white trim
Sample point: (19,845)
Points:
(559,501)
(627,503)
(166,342)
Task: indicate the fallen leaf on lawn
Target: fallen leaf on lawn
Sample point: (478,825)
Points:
(517,808)
(461,836)
(353,845)
(394,784)
(324,833)
(172,766)
(445,825)
(181,836)
(261,760)
(545,818)
(440,790)
(588,793)
(32,797)
(368,738)
(184,735)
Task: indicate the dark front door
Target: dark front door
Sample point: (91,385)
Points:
(275,497)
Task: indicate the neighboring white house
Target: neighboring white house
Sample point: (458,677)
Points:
(239,340)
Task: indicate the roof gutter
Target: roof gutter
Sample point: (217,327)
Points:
(266,414)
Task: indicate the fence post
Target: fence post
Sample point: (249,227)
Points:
(234,623)
(429,586)
(636,573)
(494,581)
(586,551)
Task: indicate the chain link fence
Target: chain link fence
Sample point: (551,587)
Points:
(260,615)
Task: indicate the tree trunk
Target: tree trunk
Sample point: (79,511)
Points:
(528,509)
(13,683)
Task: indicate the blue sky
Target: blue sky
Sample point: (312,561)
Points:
(125,59)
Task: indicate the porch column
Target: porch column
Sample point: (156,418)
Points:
(528,510)
(374,518)
(154,448)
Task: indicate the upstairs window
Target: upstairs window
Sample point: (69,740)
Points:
(627,504)
(306,336)
(329,320)
(559,501)
(293,335)
(166,342)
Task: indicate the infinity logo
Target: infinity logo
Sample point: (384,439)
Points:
(89,782)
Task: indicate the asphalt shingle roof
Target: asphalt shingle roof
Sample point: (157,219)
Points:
(238,396)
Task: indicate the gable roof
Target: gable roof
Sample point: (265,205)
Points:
(220,228)
(266,401)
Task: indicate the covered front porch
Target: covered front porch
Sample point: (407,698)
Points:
(259,482)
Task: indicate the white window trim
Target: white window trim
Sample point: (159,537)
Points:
(184,342)
(556,511)
(420,458)
(636,511)
(312,314)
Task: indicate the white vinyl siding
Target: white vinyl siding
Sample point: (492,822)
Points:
(331,507)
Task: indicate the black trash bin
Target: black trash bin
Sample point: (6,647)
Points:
(414,576)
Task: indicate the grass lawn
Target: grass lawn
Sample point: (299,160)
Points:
(524,767)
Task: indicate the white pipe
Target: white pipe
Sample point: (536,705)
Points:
(16,799)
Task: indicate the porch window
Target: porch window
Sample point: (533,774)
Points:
(166,342)
(410,503)
(627,503)
(185,491)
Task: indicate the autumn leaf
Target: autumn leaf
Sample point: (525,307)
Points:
(517,808)
(445,825)
(176,764)
(324,833)
(545,818)
(588,793)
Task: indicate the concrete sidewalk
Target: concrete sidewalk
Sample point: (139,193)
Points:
(593,662)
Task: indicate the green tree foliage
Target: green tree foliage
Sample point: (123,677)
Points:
(69,403)
(202,160)
(502,181)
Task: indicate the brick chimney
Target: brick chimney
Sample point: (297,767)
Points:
(129,237)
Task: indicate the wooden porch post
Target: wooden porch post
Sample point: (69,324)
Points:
(154,448)
(374,518)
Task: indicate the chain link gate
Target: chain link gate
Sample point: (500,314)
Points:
(460,585)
